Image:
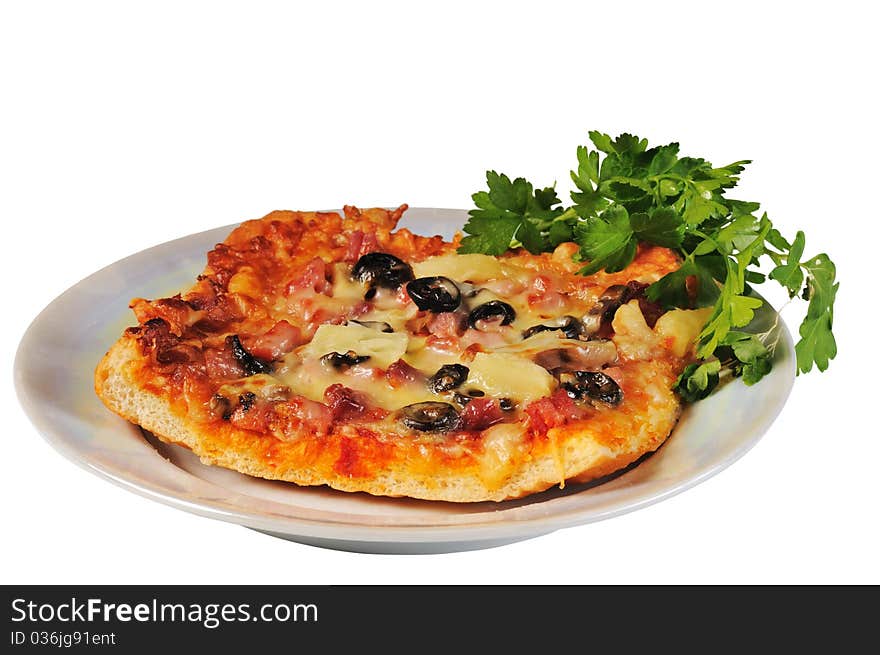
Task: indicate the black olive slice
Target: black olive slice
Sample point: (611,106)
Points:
(571,327)
(507,405)
(248,362)
(220,405)
(599,386)
(342,361)
(247,400)
(430,416)
(434,294)
(379,269)
(573,390)
(448,377)
(602,313)
(381,326)
(494,312)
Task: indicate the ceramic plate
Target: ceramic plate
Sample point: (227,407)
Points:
(53,374)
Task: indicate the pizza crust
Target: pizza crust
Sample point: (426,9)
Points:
(577,452)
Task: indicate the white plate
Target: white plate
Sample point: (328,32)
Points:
(56,359)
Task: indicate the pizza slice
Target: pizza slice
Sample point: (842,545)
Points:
(328,349)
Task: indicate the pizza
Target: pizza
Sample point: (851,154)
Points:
(334,349)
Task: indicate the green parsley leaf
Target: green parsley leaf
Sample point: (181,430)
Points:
(817,344)
(790,274)
(606,242)
(490,233)
(753,357)
(662,227)
(511,211)
(627,193)
(698,380)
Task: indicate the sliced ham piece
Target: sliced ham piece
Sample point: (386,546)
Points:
(545,295)
(551,412)
(481,413)
(312,276)
(314,415)
(359,244)
(400,373)
(447,324)
(345,404)
(221,364)
(277,342)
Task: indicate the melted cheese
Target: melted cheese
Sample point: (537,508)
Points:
(311,379)
(501,445)
(503,365)
(344,288)
(265,386)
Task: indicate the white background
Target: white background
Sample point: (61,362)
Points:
(123,126)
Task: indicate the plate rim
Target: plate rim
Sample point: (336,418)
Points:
(353,531)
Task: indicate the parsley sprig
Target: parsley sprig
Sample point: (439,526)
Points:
(628,193)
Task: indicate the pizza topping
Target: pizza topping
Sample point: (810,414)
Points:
(251,415)
(345,403)
(481,413)
(489,316)
(545,295)
(312,276)
(447,324)
(597,385)
(454,342)
(681,328)
(381,326)
(313,414)
(592,355)
(465,268)
(379,269)
(360,243)
(553,411)
(598,319)
(507,405)
(383,348)
(247,400)
(448,377)
(246,360)
(633,337)
(434,294)
(571,327)
(343,361)
(430,417)
(220,406)
(503,375)
(220,364)
(400,374)
(277,342)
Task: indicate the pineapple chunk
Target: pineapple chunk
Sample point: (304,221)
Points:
(383,348)
(508,376)
(682,326)
(632,336)
(462,268)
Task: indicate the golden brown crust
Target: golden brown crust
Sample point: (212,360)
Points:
(171,398)
(578,452)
